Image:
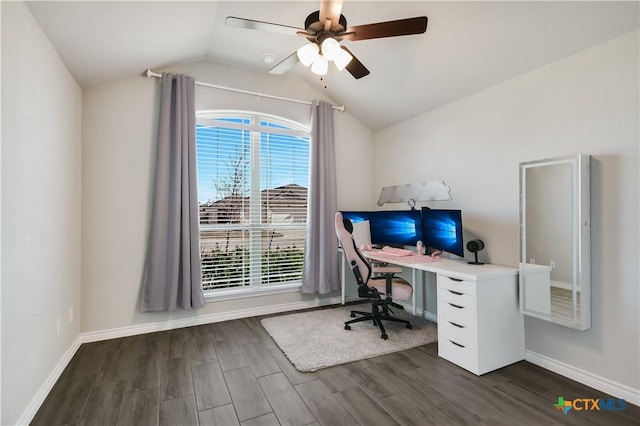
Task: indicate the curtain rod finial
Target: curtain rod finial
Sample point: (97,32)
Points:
(148,73)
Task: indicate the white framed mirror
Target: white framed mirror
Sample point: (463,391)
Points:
(555,222)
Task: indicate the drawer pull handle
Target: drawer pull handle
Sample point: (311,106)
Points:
(456,293)
(456,325)
(457,344)
(455,279)
(457,306)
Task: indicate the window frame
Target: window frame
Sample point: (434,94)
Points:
(292,128)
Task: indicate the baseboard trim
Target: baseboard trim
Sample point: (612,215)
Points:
(41,395)
(610,387)
(133,330)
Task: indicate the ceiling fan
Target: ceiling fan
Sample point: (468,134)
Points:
(325,29)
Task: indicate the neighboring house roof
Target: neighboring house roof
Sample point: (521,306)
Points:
(286,193)
(290,198)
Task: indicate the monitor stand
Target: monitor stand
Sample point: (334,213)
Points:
(476,261)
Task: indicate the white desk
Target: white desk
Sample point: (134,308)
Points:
(452,268)
(480,326)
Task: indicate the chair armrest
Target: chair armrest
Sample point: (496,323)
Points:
(386,270)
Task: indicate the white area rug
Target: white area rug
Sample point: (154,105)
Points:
(317,339)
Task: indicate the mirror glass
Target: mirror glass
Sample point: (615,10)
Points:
(555,282)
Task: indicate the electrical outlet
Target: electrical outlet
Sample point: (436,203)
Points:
(70,314)
(552,264)
(532,261)
(58,326)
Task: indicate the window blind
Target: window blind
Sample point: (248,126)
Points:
(253,177)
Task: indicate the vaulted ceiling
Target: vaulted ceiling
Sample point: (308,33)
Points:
(468,46)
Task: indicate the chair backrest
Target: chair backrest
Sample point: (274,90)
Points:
(357,262)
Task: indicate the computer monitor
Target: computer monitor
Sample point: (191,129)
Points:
(442,230)
(390,227)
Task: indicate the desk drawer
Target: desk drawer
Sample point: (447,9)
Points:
(457,298)
(458,354)
(449,330)
(457,285)
(461,315)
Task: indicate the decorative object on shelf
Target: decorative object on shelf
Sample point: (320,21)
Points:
(474,246)
(413,192)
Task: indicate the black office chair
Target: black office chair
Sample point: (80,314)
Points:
(377,283)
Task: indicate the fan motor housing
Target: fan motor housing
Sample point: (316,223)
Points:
(313,24)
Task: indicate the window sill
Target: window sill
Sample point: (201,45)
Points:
(251,291)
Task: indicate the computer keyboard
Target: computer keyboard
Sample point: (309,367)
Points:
(392,251)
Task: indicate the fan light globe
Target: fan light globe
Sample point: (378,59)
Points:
(308,53)
(330,48)
(342,59)
(320,65)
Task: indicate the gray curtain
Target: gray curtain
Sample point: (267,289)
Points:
(320,274)
(172,276)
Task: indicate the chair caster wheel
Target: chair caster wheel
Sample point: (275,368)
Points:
(409,326)
(353,315)
(384,336)
(347,327)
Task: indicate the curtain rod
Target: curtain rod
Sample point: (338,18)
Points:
(150,73)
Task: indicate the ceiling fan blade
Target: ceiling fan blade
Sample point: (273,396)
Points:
(400,27)
(355,67)
(286,64)
(251,24)
(331,9)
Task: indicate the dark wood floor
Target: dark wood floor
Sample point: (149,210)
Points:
(232,373)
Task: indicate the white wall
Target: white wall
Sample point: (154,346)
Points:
(585,103)
(119,127)
(41,106)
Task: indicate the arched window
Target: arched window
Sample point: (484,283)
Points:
(253,175)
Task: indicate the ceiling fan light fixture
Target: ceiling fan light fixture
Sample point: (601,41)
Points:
(342,59)
(320,65)
(308,54)
(330,48)
(325,29)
